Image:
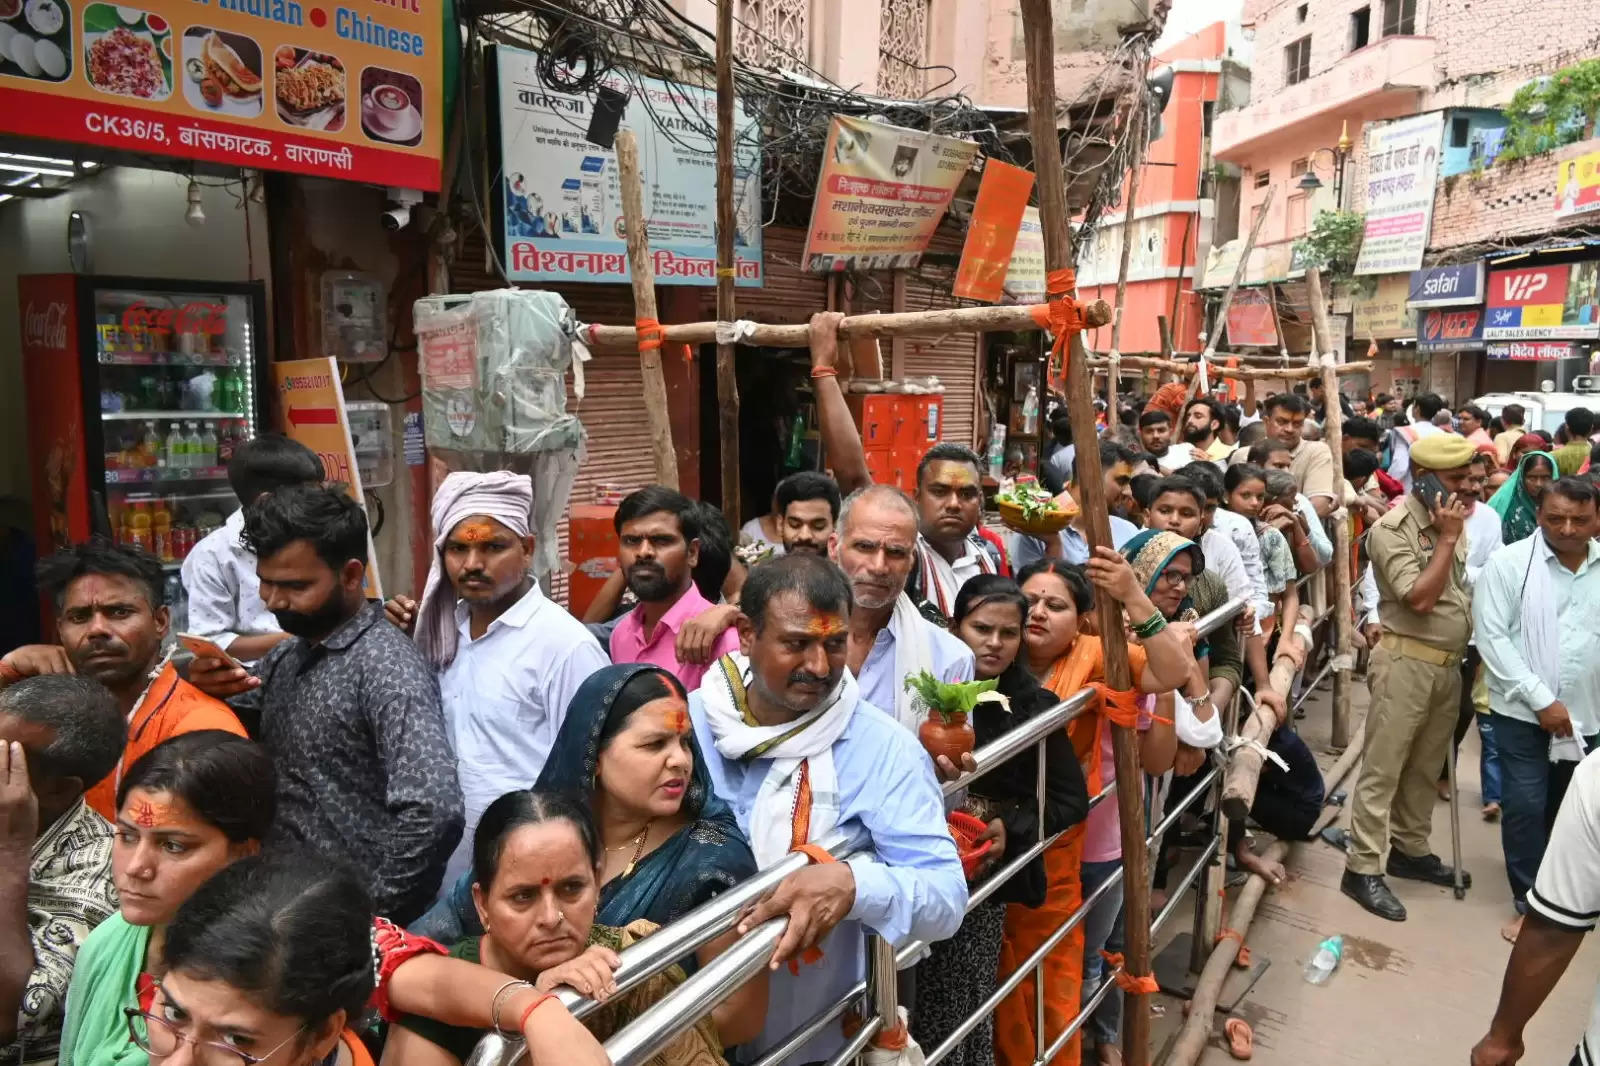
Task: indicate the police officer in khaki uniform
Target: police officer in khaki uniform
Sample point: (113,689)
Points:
(1419,554)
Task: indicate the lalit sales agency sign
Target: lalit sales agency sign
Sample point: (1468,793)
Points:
(1402,175)
(310,86)
(1544,303)
(560,200)
(881,195)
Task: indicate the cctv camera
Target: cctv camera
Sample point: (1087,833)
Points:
(396,218)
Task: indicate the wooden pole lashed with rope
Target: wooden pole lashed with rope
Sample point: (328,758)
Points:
(727,226)
(648,332)
(1066,314)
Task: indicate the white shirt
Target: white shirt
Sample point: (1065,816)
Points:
(505,696)
(224,593)
(1400,451)
(1224,560)
(945,578)
(1484,536)
(752,530)
(1368,596)
(1242,532)
(1179,454)
(1567,890)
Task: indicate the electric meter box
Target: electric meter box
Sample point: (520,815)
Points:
(372,437)
(355,317)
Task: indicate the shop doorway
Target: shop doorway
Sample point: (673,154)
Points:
(777,425)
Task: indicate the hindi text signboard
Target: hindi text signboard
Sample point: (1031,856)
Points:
(1402,176)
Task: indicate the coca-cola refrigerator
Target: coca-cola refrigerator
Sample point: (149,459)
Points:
(138,390)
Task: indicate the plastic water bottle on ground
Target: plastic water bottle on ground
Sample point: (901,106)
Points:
(1326,960)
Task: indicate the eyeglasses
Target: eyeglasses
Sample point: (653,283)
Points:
(1174,578)
(159,1038)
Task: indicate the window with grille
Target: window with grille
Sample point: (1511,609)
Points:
(1297,61)
(1263,178)
(903,48)
(1360,27)
(1299,167)
(1399,18)
(772,33)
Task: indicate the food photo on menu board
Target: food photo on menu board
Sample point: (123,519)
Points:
(309,88)
(222,72)
(391,106)
(36,39)
(127,51)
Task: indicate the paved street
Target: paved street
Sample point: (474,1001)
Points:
(1418,992)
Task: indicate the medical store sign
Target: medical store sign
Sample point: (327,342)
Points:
(558,200)
(1560,302)
(342,90)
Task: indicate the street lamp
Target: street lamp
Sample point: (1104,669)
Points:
(1340,155)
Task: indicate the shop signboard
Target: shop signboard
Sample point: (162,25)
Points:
(311,400)
(296,85)
(1578,186)
(992,233)
(1025,276)
(1560,302)
(1250,320)
(1383,314)
(1531,351)
(882,192)
(559,202)
(1450,329)
(1222,261)
(1402,175)
(1294,315)
(1446,286)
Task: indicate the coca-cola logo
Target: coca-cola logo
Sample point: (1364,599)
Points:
(46,326)
(196,317)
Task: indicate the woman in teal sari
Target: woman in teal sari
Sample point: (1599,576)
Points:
(670,843)
(1517,501)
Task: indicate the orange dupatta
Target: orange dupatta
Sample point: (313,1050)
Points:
(1029,927)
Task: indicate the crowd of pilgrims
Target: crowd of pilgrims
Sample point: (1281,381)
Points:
(376,832)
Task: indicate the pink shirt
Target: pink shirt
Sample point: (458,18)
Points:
(1102,832)
(629,644)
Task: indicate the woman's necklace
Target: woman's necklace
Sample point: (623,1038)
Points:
(637,844)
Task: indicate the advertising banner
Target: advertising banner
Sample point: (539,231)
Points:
(1446,286)
(992,233)
(1531,351)
(1402,175)
(1384,315)
(1578,185)
(1456,329)
(312,401)
(1025,276)
(313,88)
(881,195)
(1559,302)
(559,201)
(1250,321)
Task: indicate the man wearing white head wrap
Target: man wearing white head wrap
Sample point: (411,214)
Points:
(509,659)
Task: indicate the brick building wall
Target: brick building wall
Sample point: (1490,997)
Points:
(1508,201)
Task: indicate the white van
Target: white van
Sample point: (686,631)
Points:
(1544,410)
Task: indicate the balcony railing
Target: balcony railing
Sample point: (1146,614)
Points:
(1398,66)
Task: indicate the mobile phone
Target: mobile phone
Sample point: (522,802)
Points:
(206,648)
(1431,490)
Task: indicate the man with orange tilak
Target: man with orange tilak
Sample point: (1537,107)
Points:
(509,659)
(112,619)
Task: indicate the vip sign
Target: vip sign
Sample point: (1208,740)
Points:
(1559,302)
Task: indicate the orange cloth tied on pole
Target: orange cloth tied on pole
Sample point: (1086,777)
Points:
(1141,985)
(1062,316)
(650,334)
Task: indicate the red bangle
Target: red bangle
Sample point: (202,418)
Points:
(824,372)
(522,1023)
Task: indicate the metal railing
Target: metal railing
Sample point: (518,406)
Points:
(697,996)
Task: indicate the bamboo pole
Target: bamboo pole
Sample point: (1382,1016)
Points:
(1243,772)
(1114,367)
(1233,287)
(1039,56)
(1242,373)
(644,307)
(1333,433)
(1015,318)
(727,226)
